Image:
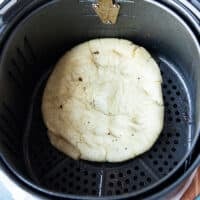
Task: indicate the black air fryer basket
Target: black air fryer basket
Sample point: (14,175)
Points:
(34,34)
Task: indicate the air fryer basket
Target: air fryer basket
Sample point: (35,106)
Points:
(28,57)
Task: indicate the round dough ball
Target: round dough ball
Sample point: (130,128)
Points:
(103,101)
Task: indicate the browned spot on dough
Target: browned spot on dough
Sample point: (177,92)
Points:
(80,79)
(108,133)
(61,106)
(96,52)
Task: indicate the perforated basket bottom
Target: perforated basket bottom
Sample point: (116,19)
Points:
(53,170)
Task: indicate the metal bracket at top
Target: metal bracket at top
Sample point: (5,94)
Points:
(107,11)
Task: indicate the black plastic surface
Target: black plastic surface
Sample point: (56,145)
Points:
(3,3)
(196,3)
(35,46)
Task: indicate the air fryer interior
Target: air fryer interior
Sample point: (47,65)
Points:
(27,59)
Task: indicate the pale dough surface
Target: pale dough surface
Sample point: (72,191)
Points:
(103,101)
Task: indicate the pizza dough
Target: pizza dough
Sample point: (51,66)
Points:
(103,101)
